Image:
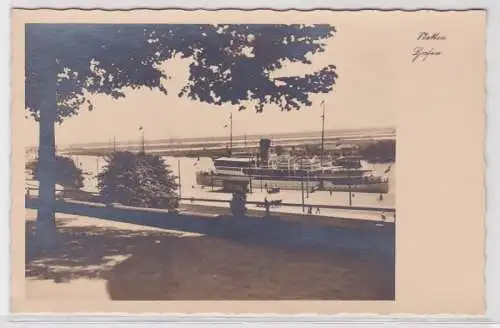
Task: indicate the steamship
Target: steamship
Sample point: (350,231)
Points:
(271,171)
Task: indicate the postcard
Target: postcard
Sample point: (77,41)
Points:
(248,161)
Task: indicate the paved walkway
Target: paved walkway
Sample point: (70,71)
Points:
(324,213)
(283,231)
(121,258)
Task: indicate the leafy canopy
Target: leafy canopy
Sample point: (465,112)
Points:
(230,63)
(137,180)
(67,173)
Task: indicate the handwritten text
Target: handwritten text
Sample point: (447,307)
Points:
(426,36)
(421,54)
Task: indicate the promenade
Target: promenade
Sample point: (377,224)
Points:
(277,230)
(119,254)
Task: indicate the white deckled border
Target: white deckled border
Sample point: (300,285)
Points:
(493,174)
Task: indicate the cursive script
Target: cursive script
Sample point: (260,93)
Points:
(426,36)
(421,54)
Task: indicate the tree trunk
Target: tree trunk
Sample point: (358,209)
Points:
(46,234)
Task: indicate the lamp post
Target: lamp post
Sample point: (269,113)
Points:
(322,133)
(179,173)
(212,178)
(302,185)
(250,174)
(143,148)
(307,184)
(230,126)
(349,184)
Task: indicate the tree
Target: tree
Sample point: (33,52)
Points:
(68,174)
(229,64)
(383,151)
(137,180)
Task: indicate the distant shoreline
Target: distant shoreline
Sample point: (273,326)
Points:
(387,132)
(220,149)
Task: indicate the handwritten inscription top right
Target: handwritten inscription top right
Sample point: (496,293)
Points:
(420,53)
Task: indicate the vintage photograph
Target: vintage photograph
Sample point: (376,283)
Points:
(243,162)
(206,162)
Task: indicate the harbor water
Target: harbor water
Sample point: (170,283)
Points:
(187,168)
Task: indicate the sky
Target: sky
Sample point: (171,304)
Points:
(358,100)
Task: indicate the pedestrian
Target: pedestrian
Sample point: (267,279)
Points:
(331,192)
(317,210)
(310,210)
(380,197)
(267,206)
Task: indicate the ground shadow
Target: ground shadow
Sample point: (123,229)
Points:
(271,231)
(159,265)
(206,268)
(236,258)
(83,252)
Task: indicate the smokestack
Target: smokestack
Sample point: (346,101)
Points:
(265,144)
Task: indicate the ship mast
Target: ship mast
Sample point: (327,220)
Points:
(322,133)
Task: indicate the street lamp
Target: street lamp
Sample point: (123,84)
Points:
(143,150)
(230,126)
(349,184)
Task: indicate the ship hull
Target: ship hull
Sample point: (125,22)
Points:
(230,183)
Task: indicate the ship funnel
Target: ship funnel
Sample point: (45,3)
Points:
(264,146)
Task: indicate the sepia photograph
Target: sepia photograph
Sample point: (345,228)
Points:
(247,156)
(254,184)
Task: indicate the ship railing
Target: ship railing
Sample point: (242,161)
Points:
(299,176)
(232,172)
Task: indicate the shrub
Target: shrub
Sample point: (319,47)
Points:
(67,173)
(140,180)
(380,152)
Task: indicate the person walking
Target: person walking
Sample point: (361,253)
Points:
(267,205)
(317,210)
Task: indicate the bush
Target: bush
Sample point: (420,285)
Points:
(140,180)
(68,174)
(380,152)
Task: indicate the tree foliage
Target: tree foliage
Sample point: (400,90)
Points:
(380,152)
(230,63)
(68,174)
(141,180)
